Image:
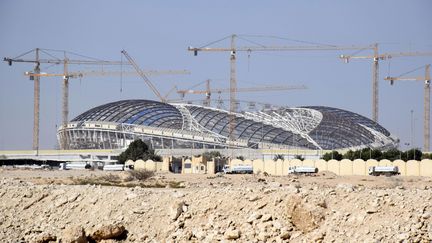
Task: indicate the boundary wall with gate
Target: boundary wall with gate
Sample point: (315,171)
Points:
(280,167)
(343,167)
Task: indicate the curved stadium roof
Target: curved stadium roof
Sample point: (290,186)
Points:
(313,127)
(138,112)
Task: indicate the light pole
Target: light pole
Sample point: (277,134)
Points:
(412,127)
(262,136)
(407,144)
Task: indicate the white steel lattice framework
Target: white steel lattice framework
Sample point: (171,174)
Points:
(298,120)
(115,125)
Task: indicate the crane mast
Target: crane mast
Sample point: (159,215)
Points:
(36,103)
(65,107)
(208,93)
(426,124)
(233,88)
(375,86)
(426,106)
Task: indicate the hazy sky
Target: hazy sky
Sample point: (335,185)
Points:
(157,33)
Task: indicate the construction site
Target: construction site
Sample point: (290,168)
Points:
(177,126)
(166,122)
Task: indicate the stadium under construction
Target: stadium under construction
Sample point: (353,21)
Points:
(189,126)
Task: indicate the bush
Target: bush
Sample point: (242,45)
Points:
(138,150)
(412,154)
(212,154)
(141,175)
(113,178)
(392,154)
(278,156)
(332,155)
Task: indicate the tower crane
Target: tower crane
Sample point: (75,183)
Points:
(376,57)
(36,74)
(93,73)
(233,49)
(209,91)
(426,112)
(143,76)
(55,61)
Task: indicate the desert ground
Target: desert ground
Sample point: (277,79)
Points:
(98,206)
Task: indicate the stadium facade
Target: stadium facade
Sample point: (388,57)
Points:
(179,126)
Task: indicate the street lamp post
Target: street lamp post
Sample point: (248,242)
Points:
(412,127)
(407,144)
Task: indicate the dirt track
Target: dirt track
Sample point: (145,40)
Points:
(37,204)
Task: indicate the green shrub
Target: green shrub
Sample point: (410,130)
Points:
(138,150)
(332,155)
(278,156)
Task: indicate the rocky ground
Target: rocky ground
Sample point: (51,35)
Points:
(44,206)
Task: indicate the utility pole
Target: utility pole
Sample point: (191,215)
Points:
(412,128)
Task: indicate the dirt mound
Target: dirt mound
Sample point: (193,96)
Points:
(305,216)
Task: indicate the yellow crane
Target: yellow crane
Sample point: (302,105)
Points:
(426,112)
(376,57)
(209,91)
(233,49)
(37,61)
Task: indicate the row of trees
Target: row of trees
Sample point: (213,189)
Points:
(139,150)
(367,153)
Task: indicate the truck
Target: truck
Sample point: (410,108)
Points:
(383,170)
(114,167)
(302,170)
(238,169)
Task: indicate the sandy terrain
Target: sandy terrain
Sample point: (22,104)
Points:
(39,206)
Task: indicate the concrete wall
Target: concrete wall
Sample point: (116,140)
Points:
(426,168)
(280,167)
(321,164)
(402,166)
(149,165)
(413,168)
(359,167)
(211,167)
(344,167)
